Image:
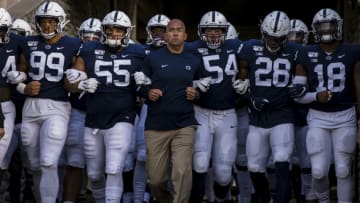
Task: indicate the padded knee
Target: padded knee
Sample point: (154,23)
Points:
(95,176)
(281,156)
(222,174)
(342,171)
(200,162)
(318,173)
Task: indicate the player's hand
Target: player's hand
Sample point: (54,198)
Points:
(32,88)
(297,90)
(16,77)
(191,93)
(141,79)
(324,96)
(203,84)
(90,85)
(241,86)
(74,76)
(259,103)
(154,94)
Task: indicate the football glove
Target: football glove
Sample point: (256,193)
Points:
(141,79)
(203,84)
(74,76)
(259,103)
(89,85)
(241,86)
(16,77)
(297,90)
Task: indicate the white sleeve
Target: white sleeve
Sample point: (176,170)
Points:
(307,98)
(298,79)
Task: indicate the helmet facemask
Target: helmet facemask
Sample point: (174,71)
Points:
(88,36)
(116,41)
(297,37)
(156,36)
(326,32)
(274,44)
(214,37)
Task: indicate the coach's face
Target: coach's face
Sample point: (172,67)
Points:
(175,33)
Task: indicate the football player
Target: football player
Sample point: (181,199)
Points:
(330,70)
(15,159)
(111,107)
(9,51)
(216,136)
(268,64)
(301,161)
(90,30)
(44,59)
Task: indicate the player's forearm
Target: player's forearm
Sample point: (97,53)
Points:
(307,98)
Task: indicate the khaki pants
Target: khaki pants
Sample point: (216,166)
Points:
(161,146)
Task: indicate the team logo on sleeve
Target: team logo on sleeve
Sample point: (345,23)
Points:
(341,56)
(187,67)
(312,54)
(203,51)
(32,43)
(99,52)
(258,48)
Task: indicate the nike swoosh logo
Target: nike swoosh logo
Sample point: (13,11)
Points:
(124,55)
(59,48)
(340,56)
(9,51)
(163,66)
(229,51)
